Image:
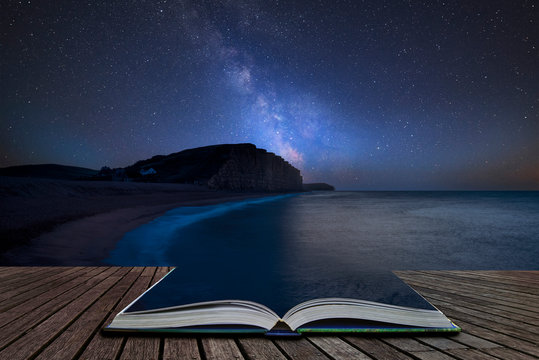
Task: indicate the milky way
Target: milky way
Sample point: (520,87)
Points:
(360,94)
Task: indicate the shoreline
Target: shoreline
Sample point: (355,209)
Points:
(41,217)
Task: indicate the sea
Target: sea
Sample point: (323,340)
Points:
(343,232)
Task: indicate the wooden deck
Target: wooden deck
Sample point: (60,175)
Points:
(57,313)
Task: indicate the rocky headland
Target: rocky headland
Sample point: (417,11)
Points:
(236,167)
(56,214)
(318,187)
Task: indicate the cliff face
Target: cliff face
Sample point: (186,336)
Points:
(318,187)
(249,168)
(238,167)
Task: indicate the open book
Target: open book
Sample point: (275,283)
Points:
(175,304)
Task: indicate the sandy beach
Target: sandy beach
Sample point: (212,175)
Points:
(57,222)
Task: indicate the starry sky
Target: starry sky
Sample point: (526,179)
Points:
(373,95)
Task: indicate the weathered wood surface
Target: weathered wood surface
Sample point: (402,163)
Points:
(58,313)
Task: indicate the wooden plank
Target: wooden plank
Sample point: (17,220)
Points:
(375,348)
(260,349)
(436,343)
(471,354)
(504,353)
(476,299)
(24,271)
(485,281)
(33,318)
(108,347)
(16,296)
(497,278)
(493,292)
(337,349)
(493,314)
(467,304)
(21,284)
(432,355)
(442,343)
(474,303)
(406,344)
(466,285)
(463,289)
(299,349)
(7,269)
(489,333)
(528,276)
(493,328)
(159,273)
(16,274)
(72,339)
(36,302)
(37,338)
(220,348)
(181,348)
(486,320)
(475,341)
(141,347)
(36,273)
(149,271)
(143,344)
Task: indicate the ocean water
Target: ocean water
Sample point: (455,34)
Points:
(283,250)
(338,233)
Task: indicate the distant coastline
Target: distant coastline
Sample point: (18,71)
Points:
(52,211)
(318,187)
(42,216)
(236,167)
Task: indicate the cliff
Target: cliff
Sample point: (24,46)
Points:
(238,167)
(318,187)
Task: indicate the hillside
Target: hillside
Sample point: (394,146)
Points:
(48,171)
(238,167)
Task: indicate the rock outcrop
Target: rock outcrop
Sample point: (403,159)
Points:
(238,167)
(318,187)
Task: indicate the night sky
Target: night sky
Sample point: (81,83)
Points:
(360,94)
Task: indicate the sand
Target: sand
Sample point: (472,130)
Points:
(61,222)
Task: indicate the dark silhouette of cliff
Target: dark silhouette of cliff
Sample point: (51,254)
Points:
(48,171)
(318,187)
(237,167)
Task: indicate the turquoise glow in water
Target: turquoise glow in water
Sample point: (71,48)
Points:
(344,232)
(149,244)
